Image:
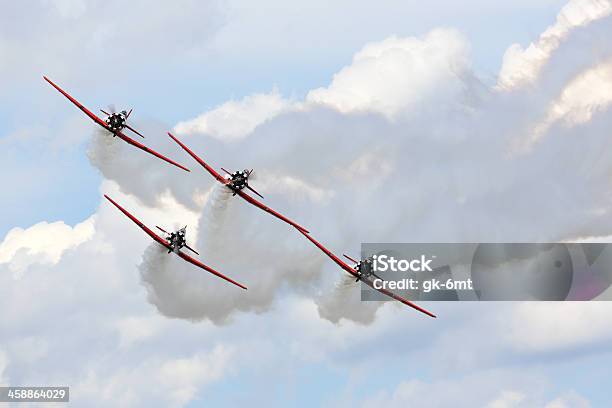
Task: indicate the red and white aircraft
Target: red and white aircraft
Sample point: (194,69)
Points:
(115,123)
(173,243)
(237,182)
(362,270)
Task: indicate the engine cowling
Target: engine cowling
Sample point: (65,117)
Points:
(116,121)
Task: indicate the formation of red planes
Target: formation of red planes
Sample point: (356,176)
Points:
(237,182)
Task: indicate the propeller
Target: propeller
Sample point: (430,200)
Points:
(134,130)
(249,187)
(191,249)
(162,230)
(356,263)
(185,245)
(112,110)
(247,183)
(253,190)
(349,258)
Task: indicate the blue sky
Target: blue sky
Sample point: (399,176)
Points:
(389,121)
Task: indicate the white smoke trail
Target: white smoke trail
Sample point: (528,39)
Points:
(213,218)
(102,148)
(181,290)
(344,301)
(176,288)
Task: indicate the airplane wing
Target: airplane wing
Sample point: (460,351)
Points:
(399,298)
(146,229)
(166,244)
(212,171)
(100,122)
(331,255)
(350,270)
(209,269)
(271,211)
(150,151)
(89,113)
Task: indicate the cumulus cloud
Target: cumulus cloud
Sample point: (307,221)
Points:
(396,75)
(522,66)
(234,120)
(490,389)
(585,96)
(86,35)
(569,400)
(507,399)
(185,376)
(42,243)
(177,381)
(546,327)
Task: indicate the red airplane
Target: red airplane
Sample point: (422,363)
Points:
(115,123)
(362,270)
(173,243)
(236,182)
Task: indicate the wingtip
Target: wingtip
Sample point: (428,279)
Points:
(240,285)
(180,166)
(428,313)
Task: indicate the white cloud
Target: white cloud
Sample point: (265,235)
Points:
(588,94)
(491,389)
(3,365)
(569,400)
(136,329)
(553,326)
(72,38)
(187,375)
(396,75)
(171,382)
(507,399)
(292,186)
(234,120)
(69,9)
(42,243)
(522,66)
(512,388)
